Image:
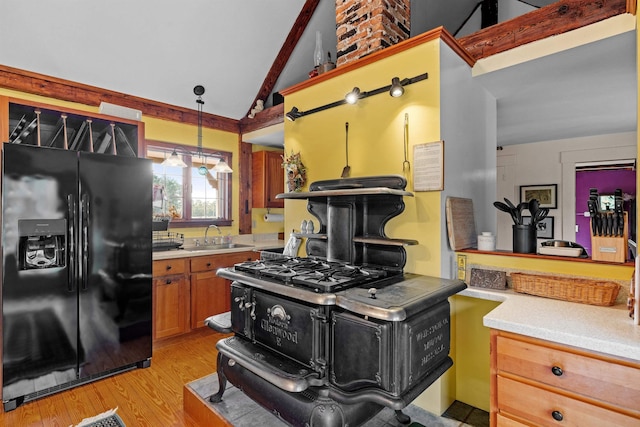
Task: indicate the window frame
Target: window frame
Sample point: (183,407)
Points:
(227,210)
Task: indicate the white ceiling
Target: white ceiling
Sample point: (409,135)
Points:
(161,49)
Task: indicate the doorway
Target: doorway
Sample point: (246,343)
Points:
(606,178)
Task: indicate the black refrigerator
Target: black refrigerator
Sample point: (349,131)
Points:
(76,271)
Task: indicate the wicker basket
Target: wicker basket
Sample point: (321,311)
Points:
(586,291)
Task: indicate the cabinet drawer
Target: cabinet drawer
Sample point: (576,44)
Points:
(502,421)
(540,406)
(213,262)
(204,263)
(169,266)
(601,379)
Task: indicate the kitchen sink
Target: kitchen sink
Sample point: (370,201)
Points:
(215,247)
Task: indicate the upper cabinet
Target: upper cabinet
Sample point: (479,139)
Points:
(267,179)
(49,126)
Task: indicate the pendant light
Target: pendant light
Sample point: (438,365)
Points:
(174,159)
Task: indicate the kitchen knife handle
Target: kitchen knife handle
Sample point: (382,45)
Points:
(71,243)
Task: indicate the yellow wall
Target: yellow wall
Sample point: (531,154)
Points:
(173,132)
(375,141)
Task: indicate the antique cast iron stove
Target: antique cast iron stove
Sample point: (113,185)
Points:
(331,339)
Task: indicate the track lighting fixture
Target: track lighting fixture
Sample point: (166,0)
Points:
(293,114)
(395,89)
(353,96)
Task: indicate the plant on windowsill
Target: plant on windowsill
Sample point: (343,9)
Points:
(296,171)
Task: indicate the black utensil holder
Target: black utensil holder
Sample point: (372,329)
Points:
(525,239)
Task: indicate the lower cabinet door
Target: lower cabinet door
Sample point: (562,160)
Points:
(210,295)
(545,408)
(170,296)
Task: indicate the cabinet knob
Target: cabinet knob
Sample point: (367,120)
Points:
(557,415)
(208,264)
(167,282)
(168,267)
(557,371)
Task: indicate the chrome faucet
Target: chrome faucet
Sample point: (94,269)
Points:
(206,242)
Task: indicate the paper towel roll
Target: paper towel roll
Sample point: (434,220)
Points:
(273,218)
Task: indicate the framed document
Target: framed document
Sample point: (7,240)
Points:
(428,166)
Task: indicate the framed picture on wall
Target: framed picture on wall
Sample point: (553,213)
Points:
(544,227)
(546,194)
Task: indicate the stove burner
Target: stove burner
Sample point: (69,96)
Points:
(318,274)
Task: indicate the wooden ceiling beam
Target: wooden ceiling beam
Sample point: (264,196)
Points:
(283,56)
(66,90)
(548,21)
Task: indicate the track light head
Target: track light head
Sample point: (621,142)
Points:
(353,96)
(293,114)
(396,89)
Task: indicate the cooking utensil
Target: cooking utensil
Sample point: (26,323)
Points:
(534,205)
(406,166)
(504,208)
(540,215)
(346,171)
(521,206)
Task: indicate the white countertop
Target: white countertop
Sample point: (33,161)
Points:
(607,330)
(248,246)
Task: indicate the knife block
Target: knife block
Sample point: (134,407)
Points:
(610,248)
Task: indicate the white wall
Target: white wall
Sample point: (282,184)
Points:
(542,163)
(468,128)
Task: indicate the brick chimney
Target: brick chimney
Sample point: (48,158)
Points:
(366,26)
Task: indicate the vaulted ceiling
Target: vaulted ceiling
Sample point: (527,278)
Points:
(245,49)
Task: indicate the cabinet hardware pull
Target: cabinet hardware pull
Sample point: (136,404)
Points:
(208,264)
(168,282)
(557,371)
(168,267)
(557,415)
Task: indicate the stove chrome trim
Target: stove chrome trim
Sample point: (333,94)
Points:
(252,358)
(277,288)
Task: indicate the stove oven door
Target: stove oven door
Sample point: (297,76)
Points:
(241,309)
(392,356)
(295,330)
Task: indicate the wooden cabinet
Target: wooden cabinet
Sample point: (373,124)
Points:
(534,382)
(170,298)
(211,294)
(267,179)
(33,123)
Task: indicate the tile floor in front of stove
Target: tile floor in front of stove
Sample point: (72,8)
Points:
(241,411)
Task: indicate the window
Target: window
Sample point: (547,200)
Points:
(191,196)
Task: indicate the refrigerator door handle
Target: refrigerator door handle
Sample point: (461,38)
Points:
(84,229)
(71,243)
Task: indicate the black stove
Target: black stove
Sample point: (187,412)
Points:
(331,338)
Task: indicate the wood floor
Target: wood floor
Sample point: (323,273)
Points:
(145,397)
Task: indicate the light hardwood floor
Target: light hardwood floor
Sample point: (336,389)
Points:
(145,397)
